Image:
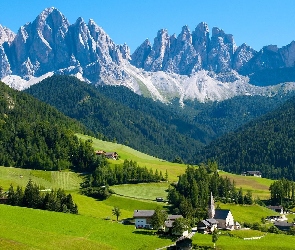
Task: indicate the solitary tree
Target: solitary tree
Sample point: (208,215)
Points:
(179,226)
(214,237)
(116,211)
(158,218)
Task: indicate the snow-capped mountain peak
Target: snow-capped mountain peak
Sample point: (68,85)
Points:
(190,65)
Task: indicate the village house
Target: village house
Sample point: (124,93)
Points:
(252,173)
(100,152)
(169,225)
(109,155)
(142,218)
(207,226)
(283,225)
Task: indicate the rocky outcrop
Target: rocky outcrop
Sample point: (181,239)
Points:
(6,35)
(4,64)
(51,44)
(190,52)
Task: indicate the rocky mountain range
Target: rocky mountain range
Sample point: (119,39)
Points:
(192,65)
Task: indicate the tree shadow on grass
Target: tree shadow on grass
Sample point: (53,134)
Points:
(145,232)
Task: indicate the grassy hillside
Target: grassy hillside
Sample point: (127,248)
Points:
(96,228)
(258,186)
(46,179)
(268,242)
(51,230)
(142,159)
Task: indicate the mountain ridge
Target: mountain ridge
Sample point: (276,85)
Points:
(192,65)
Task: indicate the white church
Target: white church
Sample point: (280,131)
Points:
(218,218)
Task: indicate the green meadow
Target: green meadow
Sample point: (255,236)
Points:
(258,186)
(24,228)
(267,242)
(143,191)
(127,153)
(46,179)
(247,213)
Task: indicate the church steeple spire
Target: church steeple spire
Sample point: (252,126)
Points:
(211,207)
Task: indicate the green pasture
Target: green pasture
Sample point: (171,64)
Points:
(145,191)
(244,233)
(24,228)
(258,186)
(247,213)
(103,209)
(46,179)
(143,160)
(267,242)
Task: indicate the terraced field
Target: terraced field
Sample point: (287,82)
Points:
(46,179)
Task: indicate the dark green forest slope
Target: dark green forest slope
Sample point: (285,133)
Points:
(165,131)
(36,135)
(266,144)
(201,121)
(111,120)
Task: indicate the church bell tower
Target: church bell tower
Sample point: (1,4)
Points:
(211,207)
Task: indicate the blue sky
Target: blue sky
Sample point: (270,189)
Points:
(254,22)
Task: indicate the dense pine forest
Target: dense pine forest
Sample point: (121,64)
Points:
(266,144)
(36,135)
(162,130)
(202,121)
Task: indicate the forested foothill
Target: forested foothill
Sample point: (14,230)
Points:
(265,144)
(165,131)
(37,136)
(112,121)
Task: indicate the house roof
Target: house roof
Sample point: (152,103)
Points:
(174,216)
(221,214)
(283,224)
(143,213)
(212,221)
(275,207)
(254,172)
(110,153)
(203,224)
(169,223)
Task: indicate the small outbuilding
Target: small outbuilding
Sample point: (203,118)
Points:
(252,173)
(278,209)
(283,226)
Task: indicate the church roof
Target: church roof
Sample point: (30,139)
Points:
(221,214)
